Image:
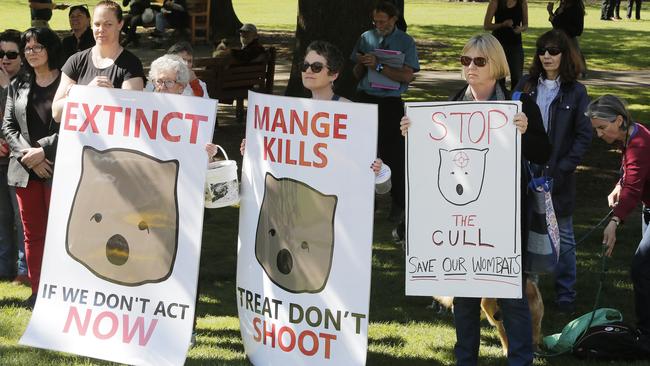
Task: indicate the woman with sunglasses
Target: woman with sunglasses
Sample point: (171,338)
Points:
(613,123)
(107,64)
(10,66)
(553,84)
(508,19)
(321,67)
(32,136)
(483,64)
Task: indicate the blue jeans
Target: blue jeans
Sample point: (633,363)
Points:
(565,272)
(640,273)
(516,320)
(10,220)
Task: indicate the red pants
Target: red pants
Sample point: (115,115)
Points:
(34,203)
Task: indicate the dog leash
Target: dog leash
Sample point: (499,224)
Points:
(587,234)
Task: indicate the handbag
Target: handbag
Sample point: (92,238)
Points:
(543,250)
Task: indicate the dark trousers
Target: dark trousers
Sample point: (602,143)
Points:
(515,58)
(640,273)
(390,142)
(34,203)
(606,10)
(630,4)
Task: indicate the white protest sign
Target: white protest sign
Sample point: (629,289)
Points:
(124,229)
(305,231)
(463,214)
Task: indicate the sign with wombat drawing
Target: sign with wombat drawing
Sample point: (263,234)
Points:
(124,228)
(463,200)
(305,231)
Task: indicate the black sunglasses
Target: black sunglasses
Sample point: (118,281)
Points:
(12,55)
(478,61)
(553,51)
(315,67)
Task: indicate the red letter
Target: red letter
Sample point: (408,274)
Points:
(141,119)
(270,334)
(111,116)
(98,320)
(258,333)
(327,338)
(74,314)
(287,153)
(435,121)
(301,339)
(196,119)
(292,336)
(301,156)
(164,129)
(278,121)
(90,118)
(268,144)
(261,122)
(339,126)
(138,326)
(314,124)
(505,120)
(469,127)
(320,154)
(70,116)
(127,121)
(295,120)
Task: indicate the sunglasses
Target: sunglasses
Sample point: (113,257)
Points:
(12,55)
(315,67)
(478,61)
(553,51)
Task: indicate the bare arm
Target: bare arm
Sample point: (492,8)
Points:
(403,74)
(133,84)
(488,23)
(60,96)
(524,17)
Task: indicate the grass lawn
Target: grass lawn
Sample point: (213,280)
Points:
(402,330)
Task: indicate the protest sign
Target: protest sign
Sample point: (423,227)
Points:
(305,231)
(463,200)
(124,228)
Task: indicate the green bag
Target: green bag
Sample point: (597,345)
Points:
(563,342)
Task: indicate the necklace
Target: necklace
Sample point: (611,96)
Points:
(104,62)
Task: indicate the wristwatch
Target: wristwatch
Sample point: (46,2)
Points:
(616,220)
(379,67)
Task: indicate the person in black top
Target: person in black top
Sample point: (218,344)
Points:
(570,18)
(106,64)
(510,21)
(82,36)
(134,19)
(32,136)
(251,49)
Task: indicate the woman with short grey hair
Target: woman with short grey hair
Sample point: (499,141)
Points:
(169,74)
(613,123)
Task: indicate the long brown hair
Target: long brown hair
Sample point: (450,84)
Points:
(570,64)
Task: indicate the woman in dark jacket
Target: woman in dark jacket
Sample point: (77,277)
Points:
(484,63)
(32,136)
(563,102)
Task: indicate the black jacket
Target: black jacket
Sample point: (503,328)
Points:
(15,130)
(571,20)
(570,133)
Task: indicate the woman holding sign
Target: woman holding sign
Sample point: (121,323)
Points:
(483,64)
(106,64)
(32,136)
(614,125)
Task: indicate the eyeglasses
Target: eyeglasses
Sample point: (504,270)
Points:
(167,83)
(12,55)
(315,67)
(478,61)
(35,49)
(553,51)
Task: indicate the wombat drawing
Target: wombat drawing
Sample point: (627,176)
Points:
(460,174)
(123,224)
(295,235)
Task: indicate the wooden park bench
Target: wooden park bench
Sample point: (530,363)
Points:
(230,82)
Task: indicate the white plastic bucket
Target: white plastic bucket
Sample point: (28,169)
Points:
(382,180)
(221,183)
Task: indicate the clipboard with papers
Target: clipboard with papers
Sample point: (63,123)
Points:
(390,58)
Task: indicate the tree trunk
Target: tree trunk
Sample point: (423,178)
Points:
(340,22)
(225,22)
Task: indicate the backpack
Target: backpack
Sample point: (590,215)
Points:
(614,341)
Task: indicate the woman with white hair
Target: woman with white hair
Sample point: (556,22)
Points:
(169,74)
(614,125)
(483,64)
